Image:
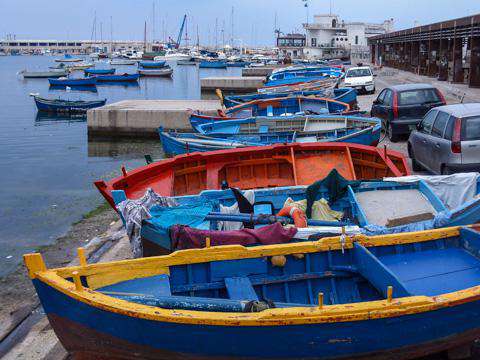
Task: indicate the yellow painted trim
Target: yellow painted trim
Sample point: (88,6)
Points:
(272,317)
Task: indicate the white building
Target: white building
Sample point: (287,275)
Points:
(330,37)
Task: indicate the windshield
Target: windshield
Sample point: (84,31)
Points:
(359,73)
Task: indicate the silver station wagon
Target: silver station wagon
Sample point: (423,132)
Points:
(447,140)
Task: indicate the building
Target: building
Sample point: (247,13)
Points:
(291,45)
(330,37)
(447,50)
(14,46)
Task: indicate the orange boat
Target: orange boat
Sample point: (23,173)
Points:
(256,167)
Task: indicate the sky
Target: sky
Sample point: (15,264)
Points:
(253,20)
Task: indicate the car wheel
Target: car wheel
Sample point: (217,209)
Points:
(415,165)
(391,136)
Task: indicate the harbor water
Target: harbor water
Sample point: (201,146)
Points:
(48,165)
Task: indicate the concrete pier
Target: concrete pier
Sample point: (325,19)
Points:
(141,118)
(232,83)
(259,71)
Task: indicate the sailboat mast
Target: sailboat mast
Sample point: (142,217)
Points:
(145,37)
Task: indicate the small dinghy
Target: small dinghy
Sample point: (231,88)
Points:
(152,64)
(118,78)
(66,106)
(393,296)
(212,64)
(65,81)
(123,62)
(99,71)
(166,71)
(43,74)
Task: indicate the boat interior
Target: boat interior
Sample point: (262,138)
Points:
(360,271)
(274,167)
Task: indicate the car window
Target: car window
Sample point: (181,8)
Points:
(381,97)
(388,98)
(427,122)
(471,128)
(414,97)
(439,124)
(358,73)
(449,129)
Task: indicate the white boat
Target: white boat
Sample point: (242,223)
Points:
(166,71)
(173,56)
(123,62)
(68,58)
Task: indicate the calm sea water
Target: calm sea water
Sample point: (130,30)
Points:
(47,166)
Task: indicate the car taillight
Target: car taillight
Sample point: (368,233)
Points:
(456,141)
(395,105)
(442,98)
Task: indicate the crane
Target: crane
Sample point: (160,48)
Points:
(179,38)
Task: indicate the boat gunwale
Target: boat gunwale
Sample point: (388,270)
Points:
(361,311)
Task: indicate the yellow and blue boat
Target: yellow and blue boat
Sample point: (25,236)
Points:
(390,296)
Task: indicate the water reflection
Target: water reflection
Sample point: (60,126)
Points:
(51,119)
(75,88)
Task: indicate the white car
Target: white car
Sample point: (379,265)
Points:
(360,78)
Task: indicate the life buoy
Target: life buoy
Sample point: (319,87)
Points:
(298,216)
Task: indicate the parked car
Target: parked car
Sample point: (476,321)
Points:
(360,78)
(402,107)
(447,140)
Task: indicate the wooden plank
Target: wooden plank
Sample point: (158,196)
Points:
(409,219)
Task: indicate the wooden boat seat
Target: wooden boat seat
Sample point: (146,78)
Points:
(372,269)
(158,285)
(240,288)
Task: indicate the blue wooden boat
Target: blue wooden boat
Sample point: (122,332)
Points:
(346,95)
(118,78)
(294,105)
(151,64)
(87,81)
(99,71)
(289,73)
(395,296)
(354,205)
(66,106)
(310,84)
(213,64)
(296,78)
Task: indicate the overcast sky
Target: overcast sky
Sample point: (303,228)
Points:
(253,20)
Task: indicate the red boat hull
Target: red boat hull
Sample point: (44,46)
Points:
(257,167)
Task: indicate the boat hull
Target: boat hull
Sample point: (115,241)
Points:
(99,71)
(212,65)
(88,332)
(156,72)
(49,106)
(73,82)
(117,78)
(256,167)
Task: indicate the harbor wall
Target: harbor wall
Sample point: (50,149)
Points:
(142,118)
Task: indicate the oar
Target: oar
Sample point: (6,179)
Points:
(267,219)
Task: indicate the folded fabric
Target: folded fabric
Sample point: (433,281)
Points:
(320,209)
(185,237)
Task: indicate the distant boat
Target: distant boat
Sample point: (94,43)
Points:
(187,62)
(88,81)
(80,66)
(237,63)
(66,106)
(123,62)
(166,71)
(43,74)
(152,64)
(68,58)
(120,77)
(172,56)
(213,64)
(99,71)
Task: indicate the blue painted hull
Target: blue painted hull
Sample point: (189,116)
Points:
(119,78)
(112,335)
(63,106)
(212,65)
(295,80)
(152,64)
(89,81)
(174,146)
(99,71)
(346,95)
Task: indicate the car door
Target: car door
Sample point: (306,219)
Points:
(378,103)
(470,139)
(420,138)
(437,144)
